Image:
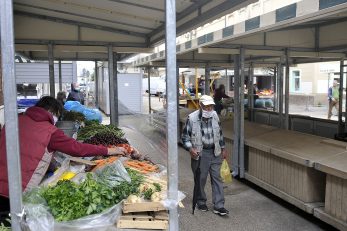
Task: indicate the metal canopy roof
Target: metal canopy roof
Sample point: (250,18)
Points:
(129,25)
(310,30)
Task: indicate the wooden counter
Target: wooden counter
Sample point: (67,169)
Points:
(335,207)
(308,171)
(282,162)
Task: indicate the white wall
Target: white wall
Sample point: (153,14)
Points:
(129,91)
(39,72)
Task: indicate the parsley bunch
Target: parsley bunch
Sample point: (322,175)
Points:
(69,201)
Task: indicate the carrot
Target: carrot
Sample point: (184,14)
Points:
(141,166)
(103,162)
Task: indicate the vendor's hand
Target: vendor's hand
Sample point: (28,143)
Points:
(224,153)
(194,153)
(116,150)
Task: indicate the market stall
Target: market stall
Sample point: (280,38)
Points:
(282,161)
(123,191)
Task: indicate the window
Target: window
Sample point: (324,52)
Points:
(296,81)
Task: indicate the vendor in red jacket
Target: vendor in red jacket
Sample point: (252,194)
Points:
(39,138)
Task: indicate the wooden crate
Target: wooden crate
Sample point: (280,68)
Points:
(144,220)
(142,207)
(301,182)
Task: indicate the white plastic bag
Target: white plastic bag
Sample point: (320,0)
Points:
(112,174)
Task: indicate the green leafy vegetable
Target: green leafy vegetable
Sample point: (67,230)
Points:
(73,116)
(3,227)
(93,128)
(157,187)
(68,200)
(148,193)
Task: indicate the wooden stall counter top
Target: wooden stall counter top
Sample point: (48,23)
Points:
(335,165)
(298,147)
(251,129)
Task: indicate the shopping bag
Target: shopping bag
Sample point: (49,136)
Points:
(225,172)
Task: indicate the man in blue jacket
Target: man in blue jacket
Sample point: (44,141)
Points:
(75,94)
(333,97)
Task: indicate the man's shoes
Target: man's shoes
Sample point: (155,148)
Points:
(203,208)
(221,211)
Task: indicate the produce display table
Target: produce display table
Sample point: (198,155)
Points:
(335,206)
(282,162)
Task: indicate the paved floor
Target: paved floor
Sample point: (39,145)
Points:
(251,208)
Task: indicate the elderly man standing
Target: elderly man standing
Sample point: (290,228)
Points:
(203,138)
(333,97)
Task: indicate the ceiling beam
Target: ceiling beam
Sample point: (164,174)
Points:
(139,5)
(78,43)
(250,52)
(342,47)
(77,23)
(29,47)
(44,58)
(298,54)
(133,50)
(218,51)
(260,47)
(82,49)
(82,16)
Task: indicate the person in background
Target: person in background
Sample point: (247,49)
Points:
(202,136)
(61,97)
(191,89)
(202,85)
(219,94)
(75,94)
(333,97)
(255,95)
(39,138)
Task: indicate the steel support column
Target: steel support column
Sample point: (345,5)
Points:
(51,70)
(178,100)
(344,73)
(60,77)
(207,79)
(275,88)
(227,86)
(280,93)
(112,72)
(235,154)
(171,76)
(286,93)
(96,86)
(340,122)
(149,90)
(242,113)
(11,116)
(250,93)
